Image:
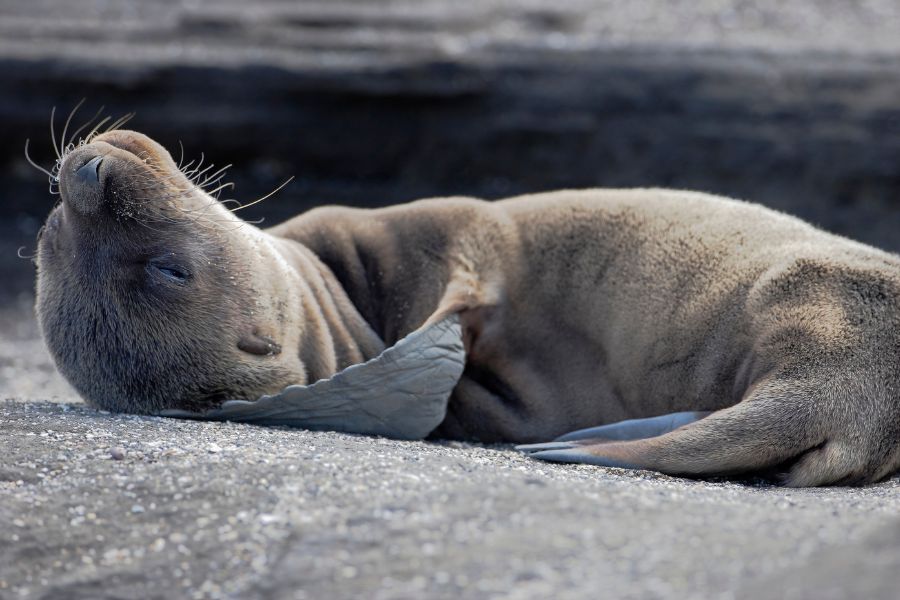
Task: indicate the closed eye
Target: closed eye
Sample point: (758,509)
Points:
(169,272)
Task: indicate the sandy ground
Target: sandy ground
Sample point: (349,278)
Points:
(94,505)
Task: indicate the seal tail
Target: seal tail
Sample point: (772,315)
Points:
(750,436)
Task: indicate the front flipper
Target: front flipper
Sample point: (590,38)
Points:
(746,437)
(402,393)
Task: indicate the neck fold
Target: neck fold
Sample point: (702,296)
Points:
(331,320)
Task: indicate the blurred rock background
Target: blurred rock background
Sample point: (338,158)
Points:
(795,105)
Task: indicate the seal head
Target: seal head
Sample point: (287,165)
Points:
(152,295)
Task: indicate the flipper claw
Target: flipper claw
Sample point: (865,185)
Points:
(531,448)
(749,436)
(608,445)
(635,429)
(579,455)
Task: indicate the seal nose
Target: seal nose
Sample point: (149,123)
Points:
(81,187)
(89,173)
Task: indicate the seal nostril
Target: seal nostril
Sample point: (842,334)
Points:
(89,173)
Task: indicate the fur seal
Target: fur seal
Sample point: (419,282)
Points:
(729,338)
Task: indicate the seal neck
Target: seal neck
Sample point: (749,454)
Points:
(331,319)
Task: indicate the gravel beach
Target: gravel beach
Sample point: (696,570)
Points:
(96,505)
(106,506)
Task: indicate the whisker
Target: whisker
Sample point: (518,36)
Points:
(143,222)
(82,128)
(187,166)
(119,122)
(53,133)
(214,177)
(190,174)
(269,195)
(62,138)
(197,176)
(96,128)
(31,256)
(195,217)
(220,188)
(35,165)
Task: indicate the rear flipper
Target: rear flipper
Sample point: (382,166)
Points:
(747,437)
(632,429)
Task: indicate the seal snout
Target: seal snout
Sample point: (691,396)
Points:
(89,173)
(82,183)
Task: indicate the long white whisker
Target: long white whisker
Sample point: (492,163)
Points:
(269,195)
(53,133)
(214,177)
(62,138)
(87,124)
(190,174)
(93,131)
(35,165)
(220,188)
(119,122)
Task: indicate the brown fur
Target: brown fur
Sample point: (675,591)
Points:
(579,308)
(130,340)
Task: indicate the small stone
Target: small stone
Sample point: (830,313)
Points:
(137,509)
(117,453)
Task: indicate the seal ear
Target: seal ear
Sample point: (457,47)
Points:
(252,342)
(464,292)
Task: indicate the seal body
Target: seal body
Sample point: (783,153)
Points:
(579,308)
(606,304)
(590,307)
